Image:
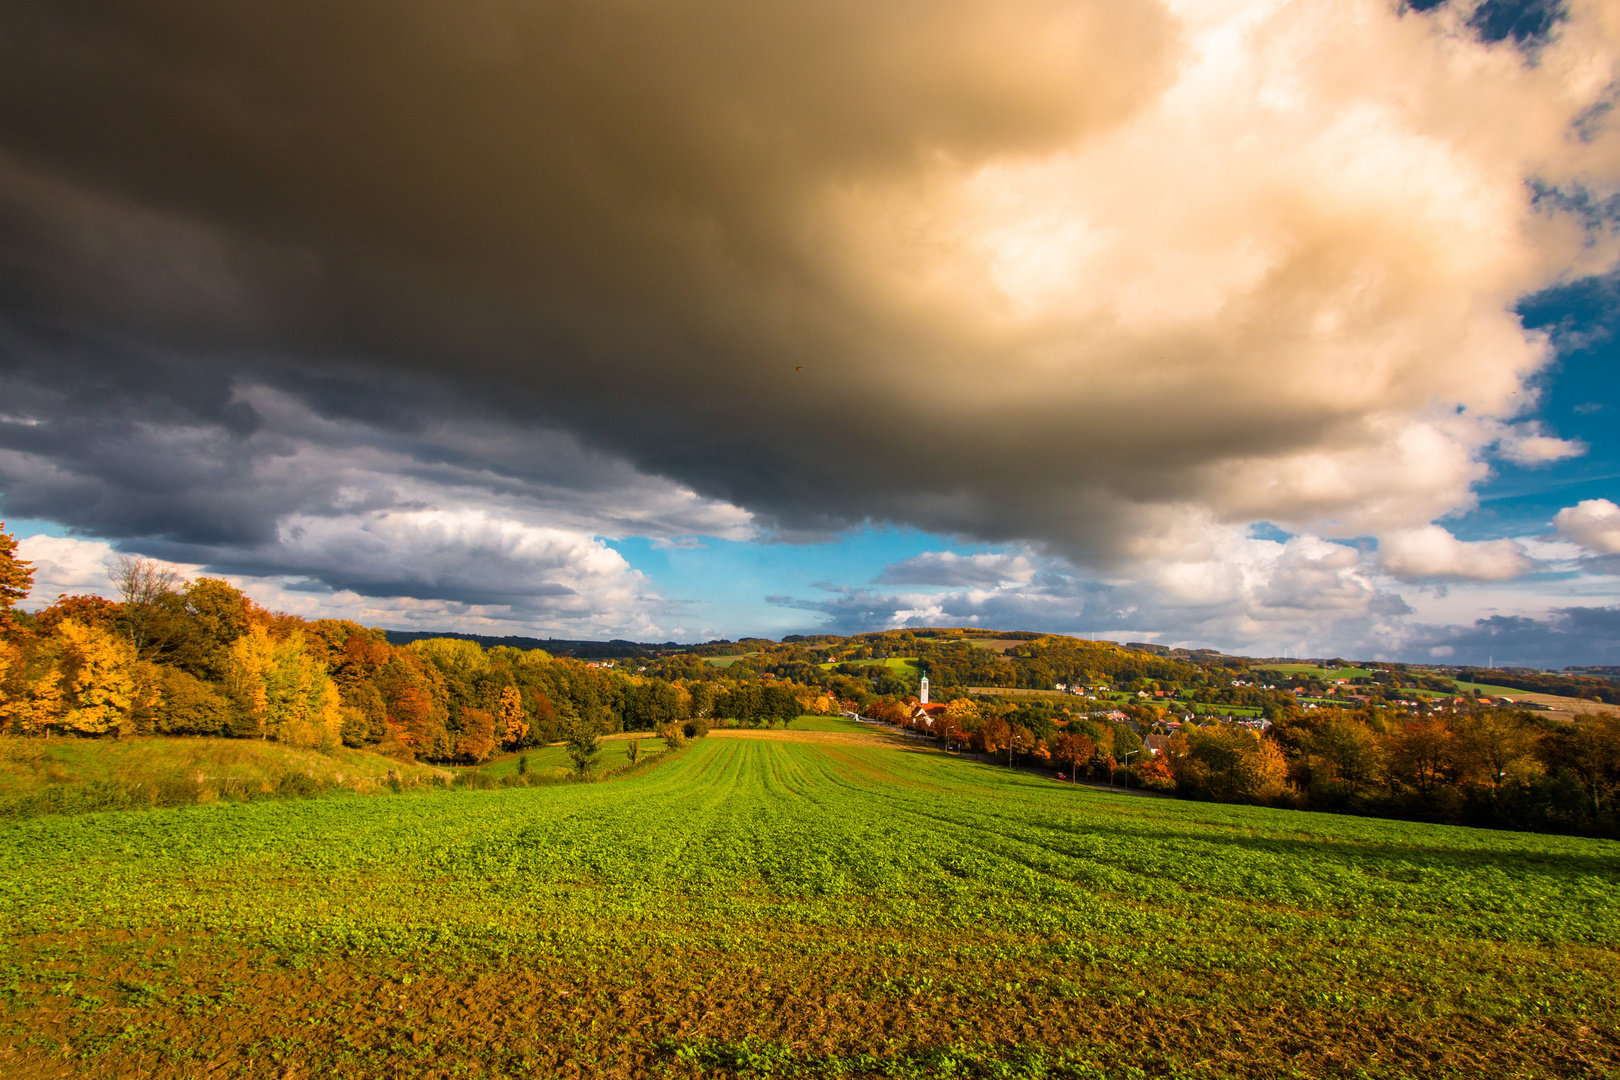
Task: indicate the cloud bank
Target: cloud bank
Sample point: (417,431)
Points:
(394,296)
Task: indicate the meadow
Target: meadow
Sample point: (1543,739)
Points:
(897,663)
(56,775)
(553,763)
(769,908)
(1328,674)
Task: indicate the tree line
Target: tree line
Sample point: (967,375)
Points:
(1483,765)
(178,657)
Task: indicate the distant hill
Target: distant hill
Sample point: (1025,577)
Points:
(554,646)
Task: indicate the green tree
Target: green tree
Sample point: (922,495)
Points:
(584,745)
(192,706)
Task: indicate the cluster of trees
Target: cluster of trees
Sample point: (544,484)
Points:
(1482,766)
(1083,745)
(175,657)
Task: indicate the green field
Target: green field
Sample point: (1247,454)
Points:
(727,661)
(898,663)
(768,908)
(551,762)
(73,773)
(1319,672)
(1490,690)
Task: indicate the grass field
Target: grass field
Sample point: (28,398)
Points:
(754,908)
(1498,691)
(69,768)
(1321,673)
(551,762)
(727,661)
(898,663)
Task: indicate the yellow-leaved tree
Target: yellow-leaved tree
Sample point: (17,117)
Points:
(102,679)
(514,719)
(30,701)
(288,694)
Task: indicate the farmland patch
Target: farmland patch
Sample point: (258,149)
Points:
(764,906)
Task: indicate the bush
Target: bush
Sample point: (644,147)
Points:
(297,785)
(192,706)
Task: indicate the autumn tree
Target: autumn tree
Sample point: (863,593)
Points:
(1420,754)
(513,723)
(30,691)
(1152,772)
(16,579)
(86,609)
(1074,750)
(1494,747)
(1349,753)
(1022,740)
(99,670)
(289,696)
(1227,763)
(702,698)
(1591,751)
(993,736)
(476,738)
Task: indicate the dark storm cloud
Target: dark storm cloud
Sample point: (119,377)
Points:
(829,262)
(949,568)
(1569,636)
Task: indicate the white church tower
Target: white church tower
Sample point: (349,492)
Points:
(923,691)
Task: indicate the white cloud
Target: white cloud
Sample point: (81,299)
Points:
(1432,552)
(1592,523)
(430,570)
(1535,449)
(64,566)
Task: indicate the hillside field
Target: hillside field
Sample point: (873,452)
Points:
(772,908)
(553,763)
(72,773)
(1328,674)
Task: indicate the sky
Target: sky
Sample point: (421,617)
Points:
(1282,327)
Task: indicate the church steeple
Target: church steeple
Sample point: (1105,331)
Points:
(923,693)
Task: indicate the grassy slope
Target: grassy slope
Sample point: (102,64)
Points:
(898,663)
(28,766)
(552,761)
(752,907)
(1321,673)
(727,661)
